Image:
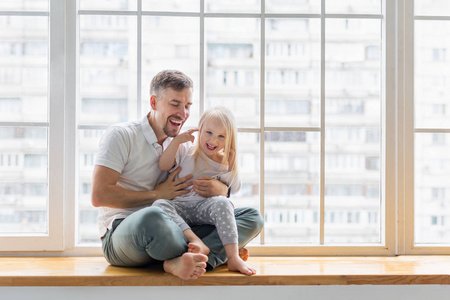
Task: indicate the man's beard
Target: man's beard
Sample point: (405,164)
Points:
(168,133)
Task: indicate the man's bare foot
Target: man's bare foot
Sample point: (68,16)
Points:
(237,264)
(194,247)
(244,254)
(187,266)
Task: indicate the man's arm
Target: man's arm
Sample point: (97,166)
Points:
(105,192)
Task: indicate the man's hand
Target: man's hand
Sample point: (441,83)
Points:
(210,187)
(172,188)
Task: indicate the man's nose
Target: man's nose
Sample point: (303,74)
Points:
(183,113)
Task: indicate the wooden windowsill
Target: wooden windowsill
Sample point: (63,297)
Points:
(95,271)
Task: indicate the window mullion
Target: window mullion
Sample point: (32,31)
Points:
(400,153)
(262,120)
(70,141)
(56,128)
(389,168)
(322,126)
(139,59)
(202,58)
(409,126)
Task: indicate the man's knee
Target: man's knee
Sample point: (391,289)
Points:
(154,233)
(150,219)
(250,218)
(154,222)
(258,220)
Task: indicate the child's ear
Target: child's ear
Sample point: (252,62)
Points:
(153,102)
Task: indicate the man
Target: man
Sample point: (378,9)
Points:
(127,180)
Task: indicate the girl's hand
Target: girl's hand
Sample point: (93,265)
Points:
(185,136)
(210,187)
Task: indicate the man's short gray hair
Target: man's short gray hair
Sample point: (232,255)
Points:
(166,79)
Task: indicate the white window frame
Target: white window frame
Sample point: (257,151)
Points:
(53,240)
(387,246)
(408,130)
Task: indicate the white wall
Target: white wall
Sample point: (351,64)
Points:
(353,292)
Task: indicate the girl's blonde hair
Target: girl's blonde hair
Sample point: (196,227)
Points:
(225,116)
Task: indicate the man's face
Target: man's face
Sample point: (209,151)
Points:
(172,110)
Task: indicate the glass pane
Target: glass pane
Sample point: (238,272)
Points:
(353,6)
(292,72)
(352,185)
(233,67)
(23,180)
(353,63)
(171,43)
(431,193)
(171,5)
(24,5)
(108,5)
(87,214)
(107,69)
(353,72)
(431,68)
(293,6)
(291,191)
(233,6)
(23,69)
(432,7)
(353,131)
(249,172)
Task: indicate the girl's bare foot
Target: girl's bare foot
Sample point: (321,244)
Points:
(195,247)
(236,263)
(244,254)
(187,266)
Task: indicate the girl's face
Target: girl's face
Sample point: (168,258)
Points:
(212,139)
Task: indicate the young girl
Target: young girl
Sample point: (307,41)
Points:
(214,155)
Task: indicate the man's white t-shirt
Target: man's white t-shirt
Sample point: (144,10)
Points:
(131,149)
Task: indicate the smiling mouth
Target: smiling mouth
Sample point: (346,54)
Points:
(211,148)
(176,122)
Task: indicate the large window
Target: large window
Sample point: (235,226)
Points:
(340,104)
(31,194)
(305,85)
(430,124)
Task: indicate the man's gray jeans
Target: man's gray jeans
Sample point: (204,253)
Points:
(150,235)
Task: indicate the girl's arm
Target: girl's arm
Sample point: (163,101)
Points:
(236,183)
(231,159)
(167,159)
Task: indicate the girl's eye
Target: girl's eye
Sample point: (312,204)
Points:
(208,132)
(221,136)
